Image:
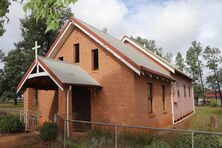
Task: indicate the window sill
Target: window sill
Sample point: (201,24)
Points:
(152,115)
(95,71)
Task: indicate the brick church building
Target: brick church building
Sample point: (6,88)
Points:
(89,75)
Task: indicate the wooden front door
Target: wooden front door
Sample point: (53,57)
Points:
(81,105)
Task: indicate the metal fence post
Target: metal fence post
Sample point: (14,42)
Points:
(64,134)
(192,139)
(116,136)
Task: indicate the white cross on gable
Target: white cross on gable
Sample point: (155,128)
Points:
(36,50)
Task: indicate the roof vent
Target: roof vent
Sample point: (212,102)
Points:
(104,30)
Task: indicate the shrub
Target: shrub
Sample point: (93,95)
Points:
(213,102)
(159,144)
(137,139)
(99,137)
(200,140)
(11,124)
(49,131)
(71,143)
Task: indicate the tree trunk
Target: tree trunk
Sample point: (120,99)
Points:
(201,79)
(15,101)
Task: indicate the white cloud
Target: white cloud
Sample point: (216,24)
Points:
(102,14)
(13,32)
(173,23)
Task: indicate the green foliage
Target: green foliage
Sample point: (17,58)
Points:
(18,60)
(49,131)
(150,45)
(99,137)
(179,62)
(137,139)
(4,5)
(214,59)
(213,102)
(168,57)
(49,10)
(70,143)
(11,124)
(159,144)
(200,141)
(195,66)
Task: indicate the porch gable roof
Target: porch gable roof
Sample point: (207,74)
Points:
(62,73)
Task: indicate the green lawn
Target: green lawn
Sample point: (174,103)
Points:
(11,106)
(201,119)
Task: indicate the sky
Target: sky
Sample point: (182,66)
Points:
(173,24)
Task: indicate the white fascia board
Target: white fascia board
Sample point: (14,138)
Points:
(40,74)
(26,78)
(183,119)
(150,54)
(51,77)
(107,48)
(59,40)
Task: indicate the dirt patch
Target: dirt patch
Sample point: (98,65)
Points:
(19,140)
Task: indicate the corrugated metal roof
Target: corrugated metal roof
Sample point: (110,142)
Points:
(125,49)
(69,73)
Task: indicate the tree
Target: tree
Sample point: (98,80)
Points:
(49,10)
(4,4)
(168,57)
(214,59)
(195,66)
(13,69)
(179,62)
(17,61)
(32,31)
(149,44)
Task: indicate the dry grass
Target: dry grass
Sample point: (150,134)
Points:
(11,106)
(201,120)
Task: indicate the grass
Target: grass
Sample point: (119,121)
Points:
(9,106)
(201,119)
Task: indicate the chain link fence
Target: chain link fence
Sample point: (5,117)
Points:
(105,135)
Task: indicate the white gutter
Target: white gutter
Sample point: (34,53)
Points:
(67,107)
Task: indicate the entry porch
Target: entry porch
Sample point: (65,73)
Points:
(58,89)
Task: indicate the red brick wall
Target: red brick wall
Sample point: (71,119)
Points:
(29,99)
(47,105)
(123,98)
(159,117)
(109,103)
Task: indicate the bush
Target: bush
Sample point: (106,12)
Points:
(11,124)
(49,131)
(99,137)
(159,144)
(137,139)
(200,141)
(213,102)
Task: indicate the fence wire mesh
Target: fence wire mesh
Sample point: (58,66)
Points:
(104,135)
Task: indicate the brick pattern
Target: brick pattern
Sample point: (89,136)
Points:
(29,99)
(47,105)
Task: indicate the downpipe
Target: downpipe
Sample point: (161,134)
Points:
(67,107)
